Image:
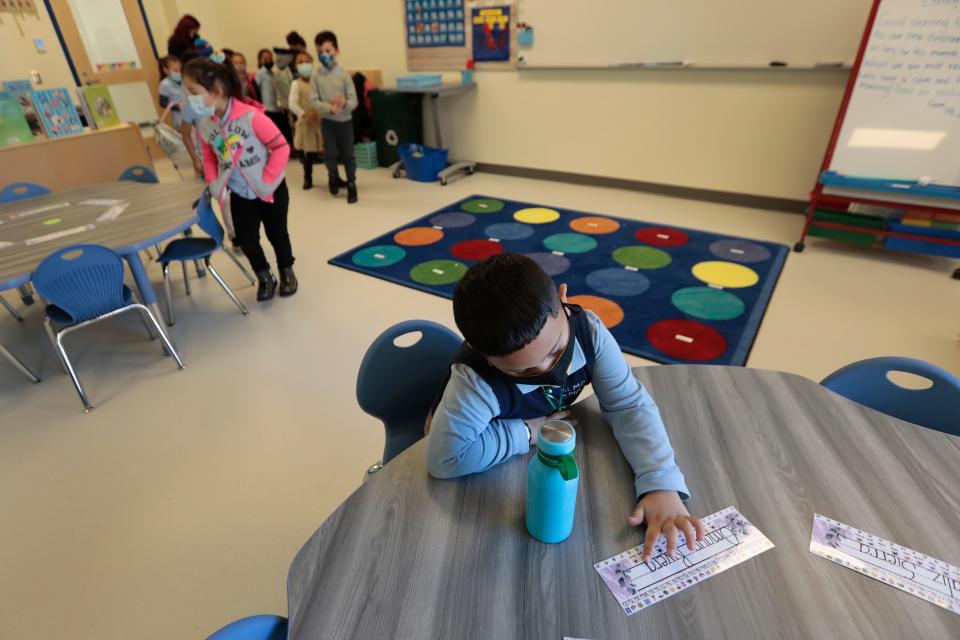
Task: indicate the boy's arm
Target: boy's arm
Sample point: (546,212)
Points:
(464,437)
(350,92)
(321,107)
(634,418)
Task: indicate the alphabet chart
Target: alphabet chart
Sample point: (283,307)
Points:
(729,540)
(902,568)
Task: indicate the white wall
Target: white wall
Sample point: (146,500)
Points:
(760,133)
(19,56)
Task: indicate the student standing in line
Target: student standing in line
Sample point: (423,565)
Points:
(171,91)
(267,86)
(244,156)
(334,97)
(306,137)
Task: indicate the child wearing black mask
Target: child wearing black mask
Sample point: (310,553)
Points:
(267,88)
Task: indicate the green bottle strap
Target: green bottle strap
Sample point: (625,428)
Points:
(565,464)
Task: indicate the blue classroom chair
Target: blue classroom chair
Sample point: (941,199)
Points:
(866,382)
(398,384)
(192,248)
(138,173)
(83,284)
(253,628)
(20,191)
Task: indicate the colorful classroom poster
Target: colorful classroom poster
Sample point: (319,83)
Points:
(99,104)
(14,128)
(902,568)
(490,28)
(435,23)
(57,112)
(23,90)
(730,539)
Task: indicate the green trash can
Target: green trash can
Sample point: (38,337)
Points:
(397,119)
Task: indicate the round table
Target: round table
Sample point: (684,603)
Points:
(33,228)
(407,556)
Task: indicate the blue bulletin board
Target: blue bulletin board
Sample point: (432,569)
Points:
(435,23)
(490,30)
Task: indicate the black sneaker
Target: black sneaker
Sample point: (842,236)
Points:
(307,182)
(288,282)
(335,184)
(267,285)
(351,192)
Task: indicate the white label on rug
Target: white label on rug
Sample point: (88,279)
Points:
(739,252)
(663,236)
(715,286)
(439,272)
(379,256)
(60,234)
(683,338)
(631,268)
(494,239)
(438,227)
(557,253)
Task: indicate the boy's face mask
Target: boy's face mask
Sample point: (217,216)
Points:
(327,59)
(176,77)
(305,69)
(557,375)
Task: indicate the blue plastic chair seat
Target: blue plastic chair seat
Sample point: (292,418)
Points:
(60,316)
(188,249)
(254,628)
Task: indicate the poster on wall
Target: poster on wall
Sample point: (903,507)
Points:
(435,23)
(490,30)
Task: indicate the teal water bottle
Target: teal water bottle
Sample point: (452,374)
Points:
(552,482)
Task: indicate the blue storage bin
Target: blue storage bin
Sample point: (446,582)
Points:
(918,246)
(419,81)
(421,163)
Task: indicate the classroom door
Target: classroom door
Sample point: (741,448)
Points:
(109,43)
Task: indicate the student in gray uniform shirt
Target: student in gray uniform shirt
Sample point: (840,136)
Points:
(333,96)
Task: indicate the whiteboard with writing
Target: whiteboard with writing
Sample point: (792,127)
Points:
(903,119)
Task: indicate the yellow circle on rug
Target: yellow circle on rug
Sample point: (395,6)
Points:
(536,215)
(725,274)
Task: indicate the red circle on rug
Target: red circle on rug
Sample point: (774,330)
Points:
(476,249)
(687,340)
(662,237)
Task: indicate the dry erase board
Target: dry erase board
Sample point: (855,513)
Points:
(903,118)
(709,33)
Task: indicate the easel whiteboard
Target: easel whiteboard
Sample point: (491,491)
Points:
(707,33)
(903,118)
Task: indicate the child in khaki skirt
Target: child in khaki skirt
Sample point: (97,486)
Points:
(306,136)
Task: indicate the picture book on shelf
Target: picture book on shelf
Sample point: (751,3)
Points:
(14,128)
(57,112)
(98,105)
(23,90)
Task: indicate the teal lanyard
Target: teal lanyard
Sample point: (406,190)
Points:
(555,403)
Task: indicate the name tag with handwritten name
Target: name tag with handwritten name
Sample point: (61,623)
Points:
(729,540)
(902,568)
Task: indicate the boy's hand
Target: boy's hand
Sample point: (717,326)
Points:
(335,108)
(663,511)
(340,101)
(536,423)
(312,117)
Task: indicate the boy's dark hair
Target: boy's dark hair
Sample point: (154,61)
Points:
(208,73)
(326,36)
(502,303)
(294,38)
(164,61)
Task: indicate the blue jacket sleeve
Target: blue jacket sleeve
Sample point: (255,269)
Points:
(464,437)
(634,418)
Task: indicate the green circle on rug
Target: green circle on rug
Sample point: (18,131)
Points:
(482,205)
(381,255)
(52,221)
(708,304)
(642,257)
(570,243)
(438,272)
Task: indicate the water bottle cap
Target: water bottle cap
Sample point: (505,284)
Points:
(556,437)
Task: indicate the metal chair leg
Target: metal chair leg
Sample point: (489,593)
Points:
(87,407)
(236,261)
(18,364)
(186,278)
(166,341)
(166,291)
(9,307)
(216,276)
(48,327)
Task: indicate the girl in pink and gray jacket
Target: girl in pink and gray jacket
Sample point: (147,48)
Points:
(244,157)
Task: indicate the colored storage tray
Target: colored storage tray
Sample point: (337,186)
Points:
(919,246)
(867,223)
(419,81)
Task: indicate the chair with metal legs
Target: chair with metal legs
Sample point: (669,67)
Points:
(9,307)
(83,284)
(18,364)
(21,191)
(184,250)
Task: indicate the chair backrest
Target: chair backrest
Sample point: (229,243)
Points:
(21,190)
(254,628)
(207,220)
(866,382)
(397,384)
(85,280)
(139,173)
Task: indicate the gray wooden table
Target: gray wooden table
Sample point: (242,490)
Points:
(407,556)
(155,212)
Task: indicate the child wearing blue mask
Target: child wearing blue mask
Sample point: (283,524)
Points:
(333,96)
(306,136)
(174,95)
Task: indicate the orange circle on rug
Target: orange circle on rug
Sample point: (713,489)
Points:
(418,236)
(595,225)
(610,313)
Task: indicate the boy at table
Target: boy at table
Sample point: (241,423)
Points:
(526,358)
